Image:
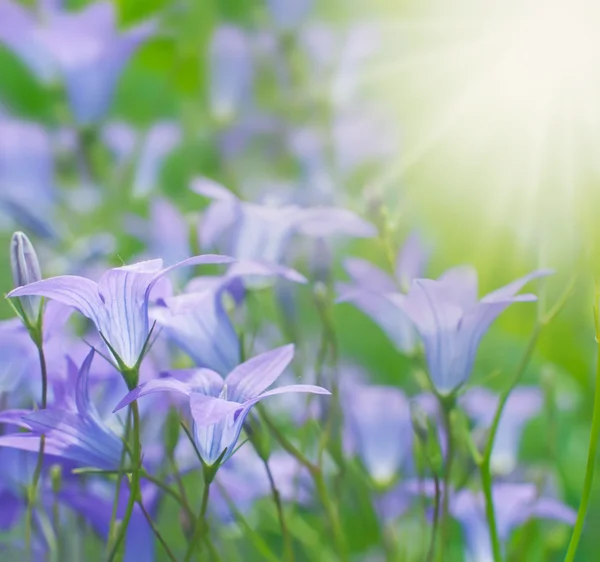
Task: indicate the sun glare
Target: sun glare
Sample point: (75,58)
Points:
(501,109)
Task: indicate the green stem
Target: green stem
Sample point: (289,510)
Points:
(490,514)
(332,514)
(447,407)
(436,518)
(589,472)
(157,532)
(173,493)
(32,492)
(201,523)
(135,481)
(287,539)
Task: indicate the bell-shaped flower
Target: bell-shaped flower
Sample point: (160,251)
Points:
(258,232)
(147,152)
(117,304)
(452,321)
(514,504)
(197,321)
(523,404)
(220,406)
(77,434)
(27,189)
(231,71)
(90,54)
(289,14)
(377,427)
(370,287)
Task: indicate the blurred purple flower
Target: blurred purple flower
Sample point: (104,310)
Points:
(148,151)
(27,189)
(377,426)
(451,321)
(288,14)
(220,406)
(80,435)
(231,71)
(515,504)
(117,304)
(198,322)
(371,286)
(256,232)
(523,404)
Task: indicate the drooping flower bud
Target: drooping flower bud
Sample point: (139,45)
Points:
(25,269)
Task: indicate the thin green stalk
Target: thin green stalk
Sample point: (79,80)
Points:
(332,514)
(201,523)
(32,492)
(589,471)
(447,404)
(436,518)
(173,493)
(157,532)
(287,539)
(135,480)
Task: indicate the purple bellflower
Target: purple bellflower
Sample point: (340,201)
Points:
(287,15)
(378,428)
(148,151)
(220,406)
(197,320)
(117,304)
(523,404)
(84,48)
(451,321)
(78,435)
(256,232)
(370,287)
(515,504)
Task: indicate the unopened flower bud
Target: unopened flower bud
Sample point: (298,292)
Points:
(25,269)
(171,431)
(56,477)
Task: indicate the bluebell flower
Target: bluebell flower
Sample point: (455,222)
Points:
(197,320)
(378,427)
(83,48)
(370,287)
(220,406)
(523,404)
(289,14)
(117,304)
(231,71)
(452,321)
(514,504)
(146,151)
(27,188)
(79,435)
(255,232)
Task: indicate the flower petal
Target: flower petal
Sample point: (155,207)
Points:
(165,384)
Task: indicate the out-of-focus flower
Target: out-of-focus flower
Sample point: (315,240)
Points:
(514,503)
(220,406)
(80,435)
(289,14)
(27,190)
(147,151)
(371,286)
(84,48)
(523,404)
(197,321)
(378,428)
(117,304)
(451,321)
(256,232)
(231,71)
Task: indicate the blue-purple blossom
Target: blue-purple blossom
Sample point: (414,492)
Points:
(260,232)
(370,287)
(117,304)
(289,14)
(514,504)
(523,404)
(451,320)
(220,406)
(378,428)
(77,434)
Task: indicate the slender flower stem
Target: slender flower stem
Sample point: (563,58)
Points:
(287,539)
(135,480)
(38,340)
(173,493)
(589,472)
(447,407)
(436,518)
(157,532)
(332,514)
(201,523)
